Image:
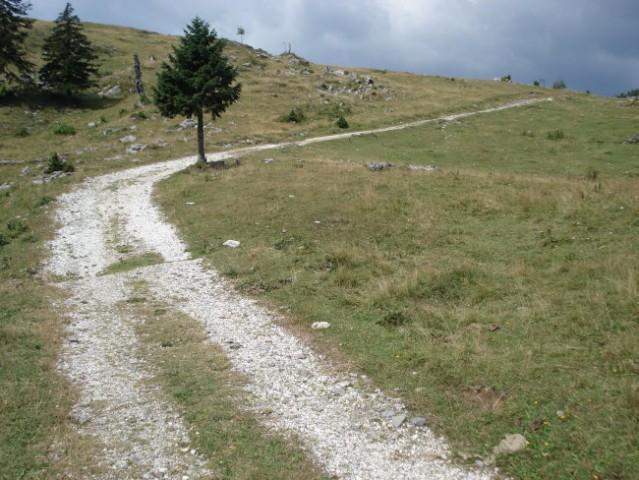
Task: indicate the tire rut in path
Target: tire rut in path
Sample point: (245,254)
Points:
(343,421)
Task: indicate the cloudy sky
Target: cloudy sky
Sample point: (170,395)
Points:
(590,44)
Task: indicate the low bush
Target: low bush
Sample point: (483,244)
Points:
(64,129)
(296,115)
(341,122)
(57,164)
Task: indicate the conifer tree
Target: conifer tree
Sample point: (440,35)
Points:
(68,56)
(13,31)
(197,79)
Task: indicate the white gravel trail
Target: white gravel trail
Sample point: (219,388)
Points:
(344,422)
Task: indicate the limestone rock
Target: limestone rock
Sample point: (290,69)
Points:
(320,325)
(231,243)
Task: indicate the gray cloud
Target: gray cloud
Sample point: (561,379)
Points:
(591,44)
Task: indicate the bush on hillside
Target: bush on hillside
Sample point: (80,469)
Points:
(57,164)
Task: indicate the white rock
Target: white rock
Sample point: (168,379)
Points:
(320,325)
(128,139)
(231,243)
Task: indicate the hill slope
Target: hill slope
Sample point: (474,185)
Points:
(529,226)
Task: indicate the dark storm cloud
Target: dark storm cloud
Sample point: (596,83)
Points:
(590,44)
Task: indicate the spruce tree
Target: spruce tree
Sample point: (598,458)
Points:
(13,31)
(197,79)
(68,56)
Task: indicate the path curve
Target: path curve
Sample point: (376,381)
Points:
(346,424)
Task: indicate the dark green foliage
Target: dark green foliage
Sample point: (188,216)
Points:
(22,132)
(296,115)
(341,122)
(68,56)
(13,31)
(197,79)
(555,135)
(64,129)
(559,85)
(630,93)
(57,164)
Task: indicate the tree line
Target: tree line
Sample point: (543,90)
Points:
(68,57)
(197,78)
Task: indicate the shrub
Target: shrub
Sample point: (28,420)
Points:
(16,227)
(555,135)
(341,122)
(57,164)
(22,132)
(64,129)
(294,116)
(559,85)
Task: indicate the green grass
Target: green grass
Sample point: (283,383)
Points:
(132,263)
(34,400)
(498,291)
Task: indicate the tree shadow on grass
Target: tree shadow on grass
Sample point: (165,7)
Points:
(37,99)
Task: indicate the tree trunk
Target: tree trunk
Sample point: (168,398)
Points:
(201,157)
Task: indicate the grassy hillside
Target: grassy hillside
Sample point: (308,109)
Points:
(530,226)
(498,294)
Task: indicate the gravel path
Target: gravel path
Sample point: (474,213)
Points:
(351,428)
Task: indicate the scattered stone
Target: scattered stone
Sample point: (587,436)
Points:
(153,58)
(109,131)
(398,420)
(190,203)
(160,144)
(25,171)
(6,185)
(135,148)
(247,64)
(509,444)
(632,140)
(422,168)
(320,325)
(378,166)
(231,243)
(418,421)
(188,123)
(389,413)
(128,139)
(268,161)
(92,124)
(111,92)
(133,128)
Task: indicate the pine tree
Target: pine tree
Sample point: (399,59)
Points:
(68,56)
(197,79)
(13,31)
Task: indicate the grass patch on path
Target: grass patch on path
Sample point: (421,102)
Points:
(498,295)
(196,374)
